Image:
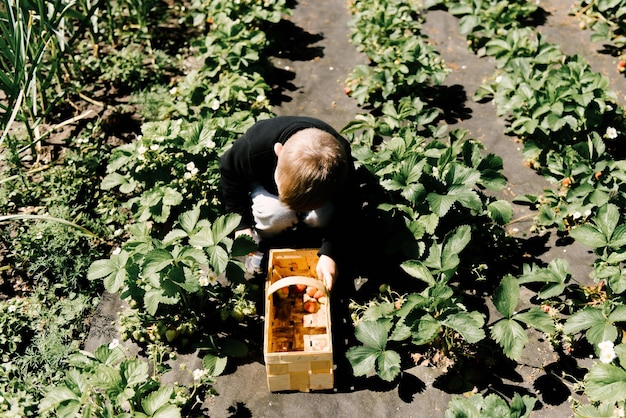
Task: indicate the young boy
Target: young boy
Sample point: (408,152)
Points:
(291,173)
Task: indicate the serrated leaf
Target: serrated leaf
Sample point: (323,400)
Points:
(538,319)
(134,371)
(400,332)
(454,243)
(112,180)
(218,258)
(373,333)
(589,235)
(604,331)
(224,225)
(189,219)
(440,204)
(495,406)
(416,269)
(506,296)
(425,330)
(607,219)
(202,238)
(388,365)
(173,236)
(157,399)
(522,406)
(510,336)
(460,407)
(156,260)
(468,324)
(59,395)
(606,382)
(362,359)
(167,411)
(232,347)
(583,320)
(618,314)
(214,365)
(500,211)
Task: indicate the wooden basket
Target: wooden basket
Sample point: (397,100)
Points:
(297,344)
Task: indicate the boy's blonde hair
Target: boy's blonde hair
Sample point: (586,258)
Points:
(312,167)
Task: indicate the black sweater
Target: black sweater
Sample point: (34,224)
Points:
(252,159)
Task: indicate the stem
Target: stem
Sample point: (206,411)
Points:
(521,218)
(28,173)
(9,218)
(60,125)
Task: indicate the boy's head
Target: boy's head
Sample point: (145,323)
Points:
(312,166)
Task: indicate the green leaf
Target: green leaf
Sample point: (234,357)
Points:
(202,238)
(218,258)
(425,330)
(506,296)
(538,319)
(135,372)
(400,332)
(460,407)
(453,244)
(362,359)
(388,365)
(555,277)
(154,297)
(167,411)
(618,314)
(495,406)
(189,219)
(224,225)
(614,276)
(606,382)
(57,396)
(468,324)
(602,331)
(107,356)
(522,406)
(415,268)
(157,400)
(173,236)
(607,219)
(589,235)
(510,336)
(500,211)
(214,365)
(115,179)
(440,204)
(583,320)
(373,333)
(604,410)
(156,260)
(232,347)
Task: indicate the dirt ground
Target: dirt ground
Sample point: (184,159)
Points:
(314,74)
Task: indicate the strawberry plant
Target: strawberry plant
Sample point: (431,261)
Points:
(108,382)
(491,405)
(508,332)
(569,123)
(484,20)
(606,19)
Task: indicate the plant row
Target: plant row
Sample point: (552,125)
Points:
(157,199)
(570,125)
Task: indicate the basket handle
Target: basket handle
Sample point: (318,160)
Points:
(291,280)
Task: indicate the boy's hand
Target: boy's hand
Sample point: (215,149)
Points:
(327,271)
